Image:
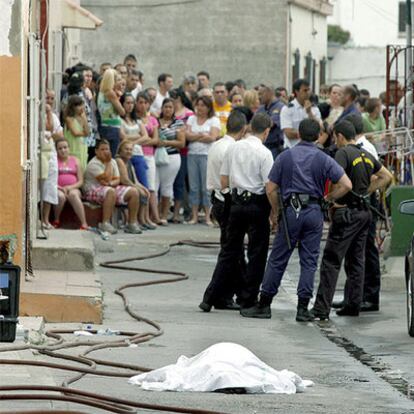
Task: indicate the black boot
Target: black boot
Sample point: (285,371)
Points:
(315,314)
(348,311)
(261,310)
(338,304)
(303,314)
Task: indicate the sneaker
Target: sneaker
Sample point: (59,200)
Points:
(107,227)
(132,228)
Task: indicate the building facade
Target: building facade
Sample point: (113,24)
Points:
(271,41)
(373,25)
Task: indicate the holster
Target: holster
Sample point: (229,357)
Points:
(342,215)
(241,199)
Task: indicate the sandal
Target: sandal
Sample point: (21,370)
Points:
(84,227)
(56,224)
(191,222)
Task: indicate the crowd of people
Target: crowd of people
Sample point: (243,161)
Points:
(171,131)
(261,157)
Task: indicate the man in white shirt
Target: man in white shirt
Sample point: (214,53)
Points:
(165,83)
(221,203)
(299,109)
(245,170)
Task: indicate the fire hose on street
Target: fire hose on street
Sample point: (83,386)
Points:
(103,402)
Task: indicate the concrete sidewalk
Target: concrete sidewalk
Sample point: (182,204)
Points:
(342,384)
(65,287)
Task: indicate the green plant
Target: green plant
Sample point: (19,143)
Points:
(338,35)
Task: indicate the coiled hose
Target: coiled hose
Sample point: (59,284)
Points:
(84,398)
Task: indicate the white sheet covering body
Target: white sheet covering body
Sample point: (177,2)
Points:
(223,365)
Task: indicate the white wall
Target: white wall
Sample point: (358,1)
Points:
(364,66)
(5,25)
(308,34)
(371,22)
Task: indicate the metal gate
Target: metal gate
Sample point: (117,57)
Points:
(396,143)
(399,92)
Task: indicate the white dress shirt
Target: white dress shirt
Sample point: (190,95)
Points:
(367,146)
(291,116)
(215,161)
(247,163)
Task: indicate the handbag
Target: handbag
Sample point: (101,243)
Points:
(161,157)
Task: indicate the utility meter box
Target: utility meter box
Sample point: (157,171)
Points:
(9,301)
(402,224)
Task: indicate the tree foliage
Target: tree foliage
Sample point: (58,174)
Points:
(338,35)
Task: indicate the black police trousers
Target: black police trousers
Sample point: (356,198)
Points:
(372,280)
(251,218)
(345,240)
(220,211)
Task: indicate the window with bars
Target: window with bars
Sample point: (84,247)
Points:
(309,69)
(322,71)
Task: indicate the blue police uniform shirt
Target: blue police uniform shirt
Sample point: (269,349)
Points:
(304,169)
(275,137)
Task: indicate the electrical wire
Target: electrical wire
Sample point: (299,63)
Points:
(381,12)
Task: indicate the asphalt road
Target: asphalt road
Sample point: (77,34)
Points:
(329,355)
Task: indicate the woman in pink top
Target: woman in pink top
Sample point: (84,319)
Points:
(142,106)
(70,180)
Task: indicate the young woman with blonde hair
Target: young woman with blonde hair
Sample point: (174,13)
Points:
(110,109)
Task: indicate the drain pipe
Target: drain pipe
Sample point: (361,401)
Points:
(409,65)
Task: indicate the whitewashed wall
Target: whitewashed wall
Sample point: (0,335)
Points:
(371,22)
(308,34)
(364,66)
(5,25)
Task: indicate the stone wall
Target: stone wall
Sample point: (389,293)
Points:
(230,39)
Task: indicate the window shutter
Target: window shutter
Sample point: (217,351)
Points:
(402,16)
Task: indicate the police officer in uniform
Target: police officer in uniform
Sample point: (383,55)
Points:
(300,173)
(350,223)
(272,106)
(236,127)
(372,279)
(245,168)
